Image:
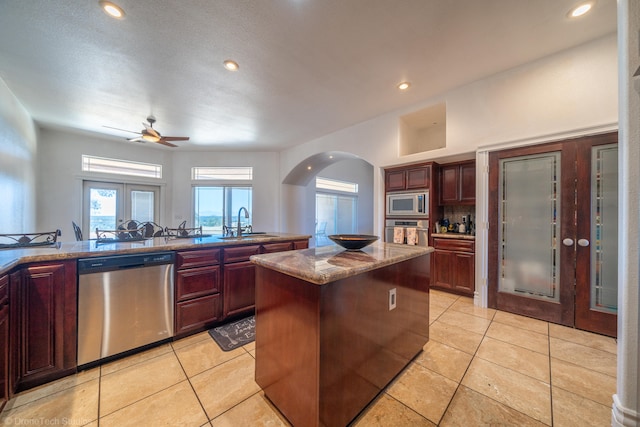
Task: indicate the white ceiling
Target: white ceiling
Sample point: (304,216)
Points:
(307,67)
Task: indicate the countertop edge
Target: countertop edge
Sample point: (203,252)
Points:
(315,265)
(454,236)
(64,251)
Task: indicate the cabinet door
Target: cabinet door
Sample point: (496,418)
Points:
(48,326)
(395,180)
(463,272)
(197,313)
(442,274)
(418,178)
(449,183)
(468,183)
(197,282)
(239,291)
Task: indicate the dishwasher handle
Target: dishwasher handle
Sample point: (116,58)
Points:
(121,262)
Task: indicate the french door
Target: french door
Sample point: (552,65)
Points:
(106,205)
(553,232)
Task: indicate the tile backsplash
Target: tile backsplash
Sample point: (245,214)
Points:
(455,213)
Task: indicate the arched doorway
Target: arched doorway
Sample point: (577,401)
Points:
(324,211)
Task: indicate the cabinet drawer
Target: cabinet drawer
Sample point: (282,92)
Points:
(197,313)
(197,282)
(277,247)
(301,244)
(241,253)
(4,289)
(454,244)
(188,259)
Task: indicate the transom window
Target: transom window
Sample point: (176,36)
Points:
(120,167)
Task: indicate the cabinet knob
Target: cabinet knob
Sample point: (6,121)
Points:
(567,242)
(583,242)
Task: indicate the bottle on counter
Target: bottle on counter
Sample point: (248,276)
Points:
(462,228)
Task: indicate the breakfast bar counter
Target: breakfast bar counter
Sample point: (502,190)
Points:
(334,327)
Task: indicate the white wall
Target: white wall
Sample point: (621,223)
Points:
(60,175)
(60,178)
(18,149)
(574,89)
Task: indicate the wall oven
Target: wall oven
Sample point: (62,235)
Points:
(408,204)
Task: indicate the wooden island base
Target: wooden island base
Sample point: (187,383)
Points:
(325,351)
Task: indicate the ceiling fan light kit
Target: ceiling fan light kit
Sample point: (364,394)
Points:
(149,134)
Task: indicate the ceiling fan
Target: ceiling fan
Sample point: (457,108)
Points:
(149,134)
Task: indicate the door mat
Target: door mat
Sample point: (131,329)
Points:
(235,334)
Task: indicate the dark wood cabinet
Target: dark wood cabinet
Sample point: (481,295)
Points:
(458,184)
(300,244)
(413,177)
(198,300)
(396,180)
(454,265)
(239,275)
(4,340)
(239,283)
(43,347)
(418,177)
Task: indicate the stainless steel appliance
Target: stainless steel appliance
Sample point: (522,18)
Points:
(421,226)
(124,302)
(408,204)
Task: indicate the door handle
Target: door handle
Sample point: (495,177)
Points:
(583,242)
(567,242)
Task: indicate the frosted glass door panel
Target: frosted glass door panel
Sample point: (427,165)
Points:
(529,193)
(604,228)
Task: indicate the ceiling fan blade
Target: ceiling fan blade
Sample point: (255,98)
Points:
(163,142)
(123,130)
(151,130)
(175,138)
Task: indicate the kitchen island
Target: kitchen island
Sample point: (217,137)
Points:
(334,327)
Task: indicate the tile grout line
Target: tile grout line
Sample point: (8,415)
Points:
(190,384)
(473,356)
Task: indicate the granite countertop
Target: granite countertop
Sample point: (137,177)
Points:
(454,236)
(10,257)
(329,263)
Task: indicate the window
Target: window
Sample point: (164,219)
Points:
(215,206)
(120,167)
(334,185)
(336,209)
(222,173)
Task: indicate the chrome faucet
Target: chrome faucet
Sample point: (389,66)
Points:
(246,215)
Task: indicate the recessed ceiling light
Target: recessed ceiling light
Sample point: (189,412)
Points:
(308,168)
(580,10)
(231,65)
(111,9)
(404,85)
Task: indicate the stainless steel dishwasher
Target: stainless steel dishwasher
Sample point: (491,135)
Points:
(124,302)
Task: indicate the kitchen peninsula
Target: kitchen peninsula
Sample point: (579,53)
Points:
(334,327)
(40,304)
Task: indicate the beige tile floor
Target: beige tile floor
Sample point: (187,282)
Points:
(480,367)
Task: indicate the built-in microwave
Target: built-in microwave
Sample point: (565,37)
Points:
(408,204)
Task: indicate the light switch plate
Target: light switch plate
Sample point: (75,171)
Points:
(392,299)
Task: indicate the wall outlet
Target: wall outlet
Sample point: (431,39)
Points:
(392,299)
